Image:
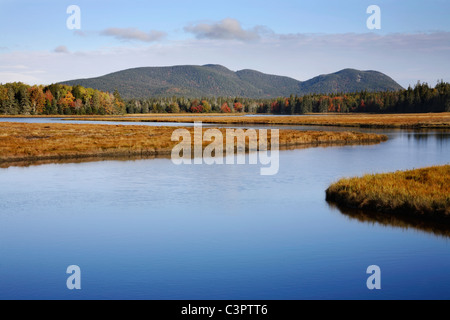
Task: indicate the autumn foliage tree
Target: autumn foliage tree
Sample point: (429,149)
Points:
(206,106)
(66,102)
(37,99)
(225,108)
(119,104)
(48,101)
(238,107)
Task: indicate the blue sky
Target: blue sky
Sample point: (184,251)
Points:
(300,39)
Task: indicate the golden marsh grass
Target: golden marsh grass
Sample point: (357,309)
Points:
(413,121)
(37,142)
(423,192)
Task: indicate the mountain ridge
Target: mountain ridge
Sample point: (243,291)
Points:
(216,80)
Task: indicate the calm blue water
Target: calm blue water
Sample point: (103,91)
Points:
(148,229)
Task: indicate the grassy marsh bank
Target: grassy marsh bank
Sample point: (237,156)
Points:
(412,121)
(421,192)
(25,142)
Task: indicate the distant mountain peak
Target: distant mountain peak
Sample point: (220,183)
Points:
(216,80)
(217,66)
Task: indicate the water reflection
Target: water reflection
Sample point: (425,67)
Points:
(438,227)
(133,157)
(441,137)
(100,158)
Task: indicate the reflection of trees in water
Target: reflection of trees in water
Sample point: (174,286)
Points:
(439,226)
(424,135)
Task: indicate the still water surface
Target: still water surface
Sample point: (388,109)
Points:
(148,229)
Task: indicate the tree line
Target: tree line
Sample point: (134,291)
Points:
(18,98)
(421,98)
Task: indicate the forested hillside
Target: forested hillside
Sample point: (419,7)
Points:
(218,81)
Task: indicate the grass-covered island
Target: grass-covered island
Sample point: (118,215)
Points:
(29,143)
(421,193)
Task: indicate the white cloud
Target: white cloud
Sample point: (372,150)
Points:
(61,49)
(227,29)
(134,34)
